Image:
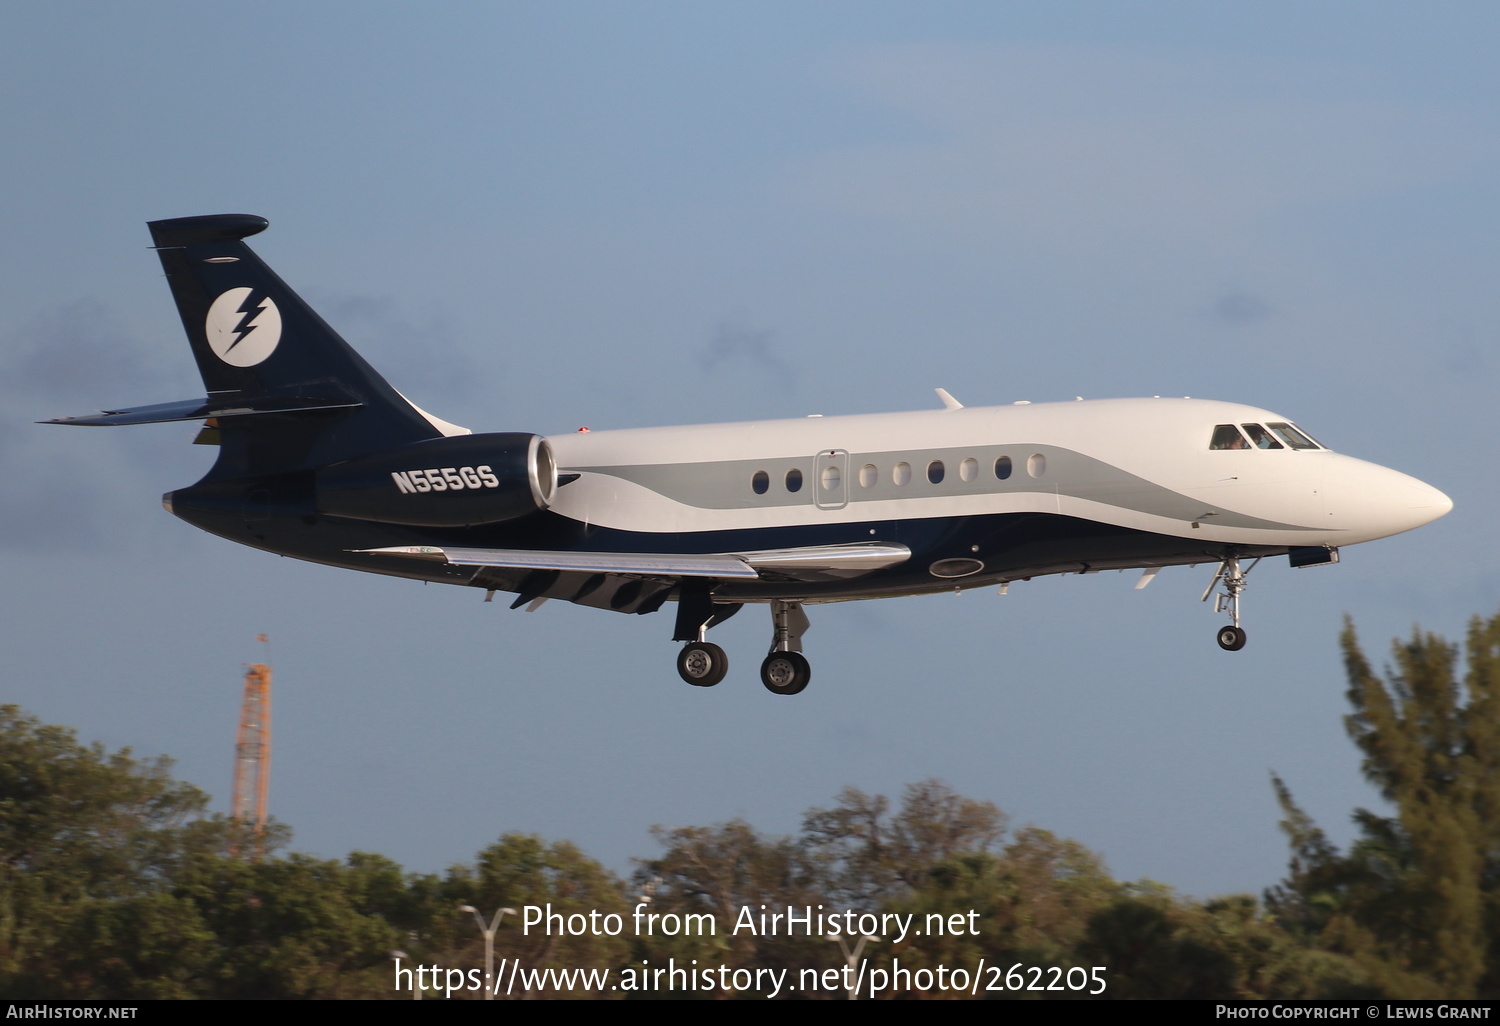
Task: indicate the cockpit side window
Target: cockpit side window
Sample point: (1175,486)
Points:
(1261,437)
(1227,436)
(1291,436)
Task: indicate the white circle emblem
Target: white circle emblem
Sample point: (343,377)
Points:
(243,331)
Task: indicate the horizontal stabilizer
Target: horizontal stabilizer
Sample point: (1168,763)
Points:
(203,409)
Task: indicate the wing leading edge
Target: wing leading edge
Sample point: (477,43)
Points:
(814,560)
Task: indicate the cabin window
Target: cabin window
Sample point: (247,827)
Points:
(901,473)
(1291,436)
(761,482)
(968,470)
(794,480)
(935,471)
(868,475)
(1002,467)
(1260,437)
(831,478)
(1036,464)
(1227,436)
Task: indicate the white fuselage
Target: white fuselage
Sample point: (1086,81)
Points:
(1143,464)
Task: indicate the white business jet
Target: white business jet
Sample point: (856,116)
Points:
(321,459)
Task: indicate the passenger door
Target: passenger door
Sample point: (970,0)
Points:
(831,479)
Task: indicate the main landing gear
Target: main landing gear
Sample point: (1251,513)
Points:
(785,673)
(700,662)
(785,670)
(703,664)
(1231,638)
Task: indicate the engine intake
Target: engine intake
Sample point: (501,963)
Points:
(443,482)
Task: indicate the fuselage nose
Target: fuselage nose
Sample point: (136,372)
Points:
(1370,501)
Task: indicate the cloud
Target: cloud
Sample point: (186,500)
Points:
(78,352)
(1467,361)
(1239,307)
(60,506)
(64,481)
(735,345)
(417,353)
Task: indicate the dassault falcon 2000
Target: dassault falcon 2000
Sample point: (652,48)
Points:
(321,459)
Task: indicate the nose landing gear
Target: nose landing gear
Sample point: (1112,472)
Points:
(1231,639)
(1229,574)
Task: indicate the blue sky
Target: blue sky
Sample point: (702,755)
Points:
(540,216)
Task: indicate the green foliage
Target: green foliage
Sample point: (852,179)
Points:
(1036,900)
(78,822)
(152,946)
(717,871)
(1270,961)
(1152,952)
(114,884)
(87,840)
(288,927)
(1051,888)
(516,871)
(1415,900)
(866,856)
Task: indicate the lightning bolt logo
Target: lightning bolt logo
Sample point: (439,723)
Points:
(243,327)
(250,321)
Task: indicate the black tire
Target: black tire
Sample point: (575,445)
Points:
(702,664)
(1231,639)
(785,673)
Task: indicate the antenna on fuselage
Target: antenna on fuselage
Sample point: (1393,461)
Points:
(949,403)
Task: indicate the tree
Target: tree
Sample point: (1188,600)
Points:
(80,828)
(1034,901)
(868,857)
(719,871)
(1050,888)
(1416,900)
(84,821)
(115,884)
(292,927)
(1151,954)
(519,870)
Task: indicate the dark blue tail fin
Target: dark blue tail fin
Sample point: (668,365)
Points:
(286,392)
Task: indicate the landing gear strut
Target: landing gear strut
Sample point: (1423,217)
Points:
(1229,574)
(785,671)
(701,663)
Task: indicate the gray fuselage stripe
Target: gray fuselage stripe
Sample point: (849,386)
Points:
(726,484)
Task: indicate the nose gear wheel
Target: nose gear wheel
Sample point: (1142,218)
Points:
(1231,639)
(1232,578)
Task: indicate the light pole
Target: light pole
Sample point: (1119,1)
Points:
(489,945)
(850,957)
(396,956)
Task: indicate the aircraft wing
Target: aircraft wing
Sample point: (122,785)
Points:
(807,562)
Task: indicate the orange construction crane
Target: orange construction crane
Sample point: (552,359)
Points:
(252,761)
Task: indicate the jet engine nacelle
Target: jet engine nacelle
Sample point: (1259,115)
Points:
(443,482)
